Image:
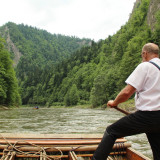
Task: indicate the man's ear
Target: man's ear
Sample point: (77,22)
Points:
(145,55)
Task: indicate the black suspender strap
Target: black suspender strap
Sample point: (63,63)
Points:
(154,64)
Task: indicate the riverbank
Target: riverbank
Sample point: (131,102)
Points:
(3,107)
(128,106)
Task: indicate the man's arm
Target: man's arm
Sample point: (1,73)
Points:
(123,96)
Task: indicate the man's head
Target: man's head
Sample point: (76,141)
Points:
(149,51)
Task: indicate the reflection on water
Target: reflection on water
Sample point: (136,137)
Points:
(65,120)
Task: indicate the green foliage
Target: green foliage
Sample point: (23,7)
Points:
(54,69)
(100,71)
(41,51)
(72,96)
(9,94)
(98,92)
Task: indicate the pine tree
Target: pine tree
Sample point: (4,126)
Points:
(9,94)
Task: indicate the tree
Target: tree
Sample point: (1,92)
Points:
(9,93)
(72,96)
(98,92)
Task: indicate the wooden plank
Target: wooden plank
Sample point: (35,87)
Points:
(131,154)
(135,155)
(54,141)
(50,142)
(62,148)
(37,156)
(61,156)
(41,136)
(55,156)
(53,136)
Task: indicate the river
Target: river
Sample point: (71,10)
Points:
(66,120)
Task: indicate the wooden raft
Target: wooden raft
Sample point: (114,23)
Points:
(60,146)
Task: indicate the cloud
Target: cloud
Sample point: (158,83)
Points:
(95,19)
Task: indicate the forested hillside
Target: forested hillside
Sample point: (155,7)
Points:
(96,74)
(35,53)
(39,44)
(92,74)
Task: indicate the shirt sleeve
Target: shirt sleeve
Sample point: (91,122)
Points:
(137,77)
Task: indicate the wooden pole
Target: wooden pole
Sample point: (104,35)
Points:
(62,148)
(121,110)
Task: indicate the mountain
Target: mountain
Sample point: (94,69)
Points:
(90,73)
(23,40)
(35,52)
(96,74)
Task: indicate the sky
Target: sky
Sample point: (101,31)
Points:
(94,19)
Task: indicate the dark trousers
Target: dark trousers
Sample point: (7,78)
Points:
(139,122)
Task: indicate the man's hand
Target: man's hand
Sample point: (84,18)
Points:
(111,104)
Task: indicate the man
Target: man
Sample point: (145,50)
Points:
(145,81)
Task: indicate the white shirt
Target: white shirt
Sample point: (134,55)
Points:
(146,79)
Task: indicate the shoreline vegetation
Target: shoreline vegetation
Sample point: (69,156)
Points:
(128,106)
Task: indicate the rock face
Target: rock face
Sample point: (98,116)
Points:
(153,8)
(11,47)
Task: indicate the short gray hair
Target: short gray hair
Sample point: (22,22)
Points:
(151,48)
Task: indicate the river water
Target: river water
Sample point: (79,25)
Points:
(67,121)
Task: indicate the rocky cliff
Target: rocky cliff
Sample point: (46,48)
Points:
(153,8)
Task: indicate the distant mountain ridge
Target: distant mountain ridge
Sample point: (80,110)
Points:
(22,39)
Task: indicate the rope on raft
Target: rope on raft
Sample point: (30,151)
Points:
(42,153)
(12,150)
(119,151)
